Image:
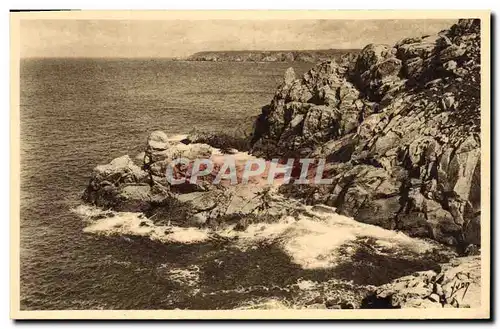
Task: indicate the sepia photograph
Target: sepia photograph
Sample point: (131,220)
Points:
(250,165)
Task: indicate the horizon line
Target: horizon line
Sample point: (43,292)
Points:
(184,57)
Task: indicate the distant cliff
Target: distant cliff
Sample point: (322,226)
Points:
(309,56)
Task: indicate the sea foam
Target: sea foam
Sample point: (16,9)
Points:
(131,223)
(313,241)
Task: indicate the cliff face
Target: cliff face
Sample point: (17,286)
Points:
(309,56)
(400,128)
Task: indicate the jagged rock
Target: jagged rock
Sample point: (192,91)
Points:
(103,187)
(328,96)
(419,49)
(462,166)
(371,55)
(289,76)
(414,67)
(123,186)
(298,93)
(472,250)
(318,122)
(472,234)
(157,146)
(457,284)
(202,201)
(177,151)
(448,102)
(387,68)
(452,52)
(135,198)
(407,40)
(368,194)
(411,113)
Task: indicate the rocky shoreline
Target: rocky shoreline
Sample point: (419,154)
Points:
(399,127)
(456,284)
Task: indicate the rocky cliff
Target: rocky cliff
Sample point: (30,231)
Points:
(309,56)
(400,128)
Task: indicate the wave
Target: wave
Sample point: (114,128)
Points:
(315,240)
(267,304)
(108,222)
(311,295)
(189,276)
(323,240)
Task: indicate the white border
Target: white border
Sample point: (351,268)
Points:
(189,4)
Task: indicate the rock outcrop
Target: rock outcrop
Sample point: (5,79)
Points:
(141,185)
(400,129)
(458,284)
(120,185)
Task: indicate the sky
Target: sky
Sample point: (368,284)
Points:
(179,38)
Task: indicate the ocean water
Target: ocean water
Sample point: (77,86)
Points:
(78,113)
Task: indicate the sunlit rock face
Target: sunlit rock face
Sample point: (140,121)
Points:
(400,127)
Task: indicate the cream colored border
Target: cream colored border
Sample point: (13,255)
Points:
(480,313)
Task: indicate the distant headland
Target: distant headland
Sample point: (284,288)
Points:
(308,56)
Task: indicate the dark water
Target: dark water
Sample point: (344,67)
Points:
(76,114)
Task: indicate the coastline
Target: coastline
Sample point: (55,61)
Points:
(382,90)
(396,191)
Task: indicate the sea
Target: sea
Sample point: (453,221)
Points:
(78,113)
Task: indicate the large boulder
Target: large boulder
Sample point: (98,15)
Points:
(123,186)
(106,182)
(157,146)
(372,55)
